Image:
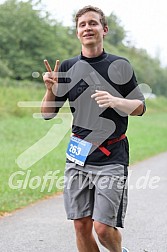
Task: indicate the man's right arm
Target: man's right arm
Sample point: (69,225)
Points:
(48,105)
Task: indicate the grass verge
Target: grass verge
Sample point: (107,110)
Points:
(19,131)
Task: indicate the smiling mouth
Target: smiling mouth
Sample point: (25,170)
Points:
(88,35)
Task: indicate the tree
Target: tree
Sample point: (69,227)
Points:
(29,35)
(116,32)
(27,38)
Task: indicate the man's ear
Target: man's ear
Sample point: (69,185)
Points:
(77,33)
(106,29)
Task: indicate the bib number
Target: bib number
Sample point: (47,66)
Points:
(78,150)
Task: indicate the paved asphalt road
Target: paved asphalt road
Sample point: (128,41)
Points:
(43,226)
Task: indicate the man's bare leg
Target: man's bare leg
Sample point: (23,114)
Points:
(84,237)
(109,237)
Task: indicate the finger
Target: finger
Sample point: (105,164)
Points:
(48,80)
(98,95)
(101,101)
(106,105)
(93,95)
(49,69)
(56,66)
(47,75)
(100,91)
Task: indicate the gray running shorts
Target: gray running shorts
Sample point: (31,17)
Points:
(96,191)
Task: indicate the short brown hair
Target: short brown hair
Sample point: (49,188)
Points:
(91,8)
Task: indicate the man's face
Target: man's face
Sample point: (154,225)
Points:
(90,31)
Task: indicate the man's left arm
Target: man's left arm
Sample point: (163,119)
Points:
(128,106)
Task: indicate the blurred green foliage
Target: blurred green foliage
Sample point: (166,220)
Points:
(28,35)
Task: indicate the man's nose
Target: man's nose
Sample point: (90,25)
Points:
(88,27)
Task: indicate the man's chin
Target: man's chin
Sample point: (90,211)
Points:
(89,43)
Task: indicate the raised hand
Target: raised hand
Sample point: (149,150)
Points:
(50,78)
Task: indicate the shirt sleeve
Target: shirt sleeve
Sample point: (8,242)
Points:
(132,91)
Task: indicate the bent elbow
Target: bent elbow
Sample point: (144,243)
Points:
(48,116)
(140,110)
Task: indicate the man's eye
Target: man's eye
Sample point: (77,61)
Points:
(93,23)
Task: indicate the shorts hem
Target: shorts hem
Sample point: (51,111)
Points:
(81,215)
(109,223)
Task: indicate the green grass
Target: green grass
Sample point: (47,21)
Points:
(19,131)
(18,134)
(147,136)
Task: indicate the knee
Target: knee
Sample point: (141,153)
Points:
(83,226)
(102,230)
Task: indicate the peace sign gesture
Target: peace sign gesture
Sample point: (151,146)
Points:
(51,77)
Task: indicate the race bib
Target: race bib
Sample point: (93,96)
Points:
(78,150)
